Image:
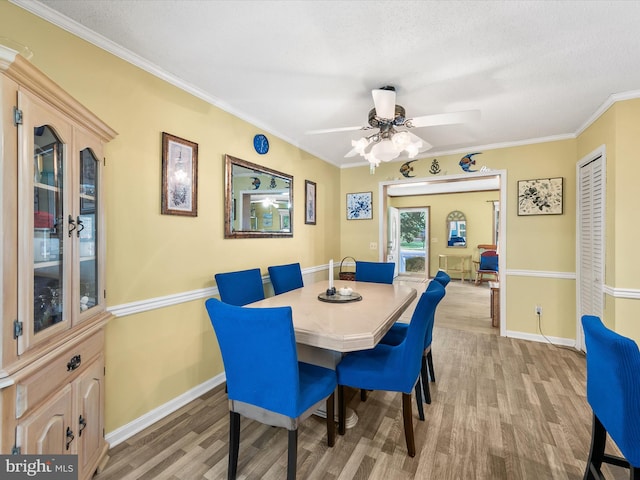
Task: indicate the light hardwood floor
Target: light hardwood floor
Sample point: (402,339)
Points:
(502,409)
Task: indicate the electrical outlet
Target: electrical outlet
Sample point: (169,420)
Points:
(538,310)
(373,246)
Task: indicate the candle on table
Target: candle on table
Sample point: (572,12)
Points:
(331,273)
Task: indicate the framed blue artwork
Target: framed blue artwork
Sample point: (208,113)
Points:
(359,206)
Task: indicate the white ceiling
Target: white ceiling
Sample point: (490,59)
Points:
(537,70)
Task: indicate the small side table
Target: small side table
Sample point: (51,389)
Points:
(456,265)
(495,303)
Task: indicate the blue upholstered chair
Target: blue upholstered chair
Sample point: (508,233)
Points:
(391,368)
(375,272)
(285,277)
(240,288)
(265,380)
(443,278)
(613,391)
(487,268)
(399,330)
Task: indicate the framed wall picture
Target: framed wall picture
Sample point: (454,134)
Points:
(359,206)
(541,196)
(310,202)
(179,176)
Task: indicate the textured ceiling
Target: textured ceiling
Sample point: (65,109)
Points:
(535,70)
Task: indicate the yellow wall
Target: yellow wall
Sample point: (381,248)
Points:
(153,357)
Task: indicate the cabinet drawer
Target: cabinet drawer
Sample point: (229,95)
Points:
(61,370)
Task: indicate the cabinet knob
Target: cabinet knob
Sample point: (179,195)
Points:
(70,437)
(72,225)
(80,226)
(82,425)
(74,363)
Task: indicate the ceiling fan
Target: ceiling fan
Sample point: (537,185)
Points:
(389,141)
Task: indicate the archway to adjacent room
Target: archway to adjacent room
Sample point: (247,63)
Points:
(472,182)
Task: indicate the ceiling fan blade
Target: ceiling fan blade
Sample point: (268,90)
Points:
(351,153)
(331,130)
(443,119)
(385,103)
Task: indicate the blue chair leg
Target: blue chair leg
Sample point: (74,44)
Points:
(234,444)
(292,458)
(419,399)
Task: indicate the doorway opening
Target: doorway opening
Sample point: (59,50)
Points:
(413,231)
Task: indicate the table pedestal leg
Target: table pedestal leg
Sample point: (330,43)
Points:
(327,359)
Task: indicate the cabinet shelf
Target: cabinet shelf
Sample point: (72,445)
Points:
(46,264)
(46,186)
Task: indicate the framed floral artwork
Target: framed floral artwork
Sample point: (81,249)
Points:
(542,196)
(359,206)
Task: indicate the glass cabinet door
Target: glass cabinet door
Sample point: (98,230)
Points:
(48,229)
(44,246)
(87,232)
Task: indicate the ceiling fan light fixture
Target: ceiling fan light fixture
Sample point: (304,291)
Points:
(360,145)
(413,149)
(385,150)
(401,140)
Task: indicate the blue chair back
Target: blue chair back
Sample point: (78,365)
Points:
(489,261)
(285,277)
(258,346)
(375,272)
(240,288)
(433,287)
(442,277)
(613,385)
(413,344)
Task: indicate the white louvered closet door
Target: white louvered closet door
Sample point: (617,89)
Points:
(590,225)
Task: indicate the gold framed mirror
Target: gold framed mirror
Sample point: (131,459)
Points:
(258,201)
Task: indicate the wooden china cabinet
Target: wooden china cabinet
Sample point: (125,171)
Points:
(52,270)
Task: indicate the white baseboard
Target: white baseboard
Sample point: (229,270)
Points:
(534,337)
(127,431)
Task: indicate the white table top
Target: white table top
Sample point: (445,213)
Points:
(343,327)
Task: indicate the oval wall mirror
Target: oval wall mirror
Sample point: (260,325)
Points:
(456,229)
(258,201)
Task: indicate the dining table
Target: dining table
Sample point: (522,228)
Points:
(328,326)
